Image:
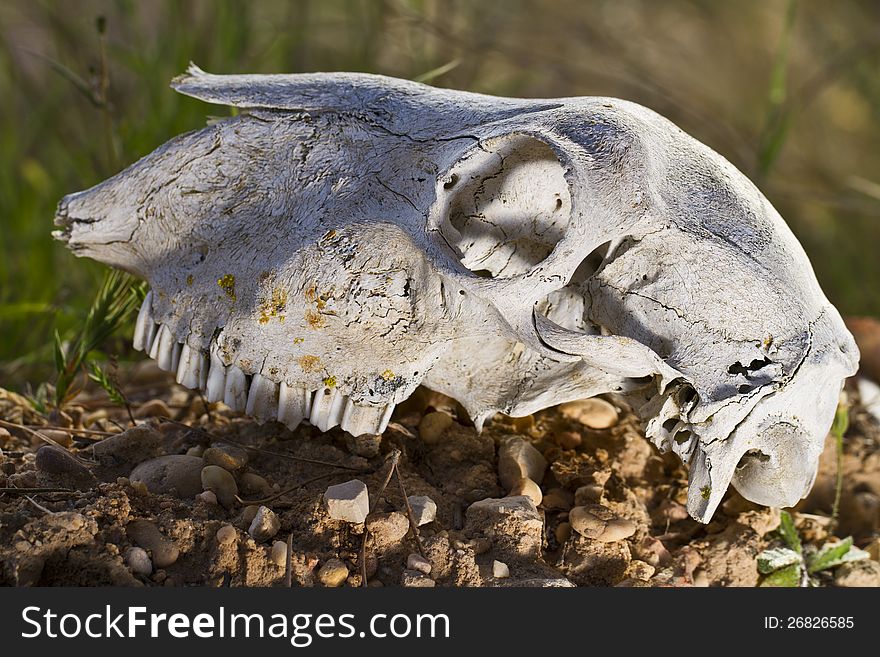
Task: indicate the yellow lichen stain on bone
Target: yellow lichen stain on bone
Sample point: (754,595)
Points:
(330,382)
(309,364)
(189,279)
(227,284)
(298,340)
(387,375)
(315,320)
(273,306)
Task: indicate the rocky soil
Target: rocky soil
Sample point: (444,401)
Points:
(197,495)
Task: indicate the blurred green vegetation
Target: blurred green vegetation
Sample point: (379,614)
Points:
(788,91)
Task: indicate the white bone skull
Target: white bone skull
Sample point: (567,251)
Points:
(349,237)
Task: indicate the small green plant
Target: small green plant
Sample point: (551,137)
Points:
(795,564)
(838,429)
(117,297)
(107,379)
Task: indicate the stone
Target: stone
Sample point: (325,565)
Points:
(208,497)
(500,570)
(228,457)
(864,573)
(278,555)
(333,573)
(513,523)
(585,522)
(247,515)
(417,562)
(558,498)
(252,484)
(145,534)
(415,579)
(226,535)
(593,413)
(562,532)
(366,445)
(433,425)
(55,467)
(221,482)
(873,549)
(424,509)
(63,438)
(387,529)
(164,475)
(153,408)
(348,501)
(264,525)
(529,488)
(617,530)
(639,570)
(138,561)
(119,453)
(517,458)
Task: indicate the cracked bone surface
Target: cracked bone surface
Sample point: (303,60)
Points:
(347,237)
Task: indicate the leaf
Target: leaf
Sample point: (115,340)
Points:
(789,577)
(776,558)
(59,353)
(841,421)
(832,555)
(789,533)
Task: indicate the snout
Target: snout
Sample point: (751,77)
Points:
(782,471)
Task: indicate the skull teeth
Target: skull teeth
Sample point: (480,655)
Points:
(255,395)
(145,327)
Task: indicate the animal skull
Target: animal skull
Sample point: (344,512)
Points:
(349,237)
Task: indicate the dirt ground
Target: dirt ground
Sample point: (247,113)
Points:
(131,516)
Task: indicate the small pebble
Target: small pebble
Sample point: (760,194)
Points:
(500,570)
(873,549)
(153,408)
(415,579)
(517,458)
(333,573)
(424,509)
(701,579)
(248,514)
(264,525)
(348,501)
(617,530)
(196,450)
(165,474)
(388,529)
(215,478)
(63,438)
(639,570)
(251,484)
(558,498)
(585,522)
(529,488)
(208,497)
(366,445)
(858,574)
(562,532)
(118,454)
(55,467)
(145,534)
(226,534)
(228,457)
(433,425)
(594,413)
(278,555)
(417,562)
(138,561)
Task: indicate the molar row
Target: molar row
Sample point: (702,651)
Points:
(256,395)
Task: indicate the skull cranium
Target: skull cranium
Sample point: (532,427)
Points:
(349,237)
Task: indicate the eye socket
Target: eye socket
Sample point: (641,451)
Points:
(508,206)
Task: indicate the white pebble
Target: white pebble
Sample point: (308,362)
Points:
(500,570)
(138,561)
(424,509)
(348,501)
(419,563)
